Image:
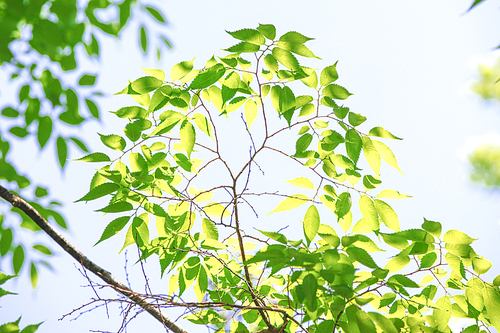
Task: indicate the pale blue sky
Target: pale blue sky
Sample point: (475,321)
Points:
(408,64)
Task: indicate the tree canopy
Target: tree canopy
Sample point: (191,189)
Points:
(191,179)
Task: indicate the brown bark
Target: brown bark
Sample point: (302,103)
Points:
(106,276)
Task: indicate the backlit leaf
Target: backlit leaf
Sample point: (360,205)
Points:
(113,141)
(311,223)
(202,122)
(492,303)
(360,255)
(206,79)
(249,35)
(457,237)
(268,30)
(157,73)
(99,191)
(188,136)
(369,212)
(113,228)
(328,75)
(335,91)
(371,154)
(301,182)
(250,112)
(386,153)
(381,132)
(181,69)
(290,202)
(387,215)
(343,205)
(392,194)
(210,229)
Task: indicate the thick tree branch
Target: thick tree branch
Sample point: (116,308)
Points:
(20,203)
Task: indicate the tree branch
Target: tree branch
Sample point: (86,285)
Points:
(106,276)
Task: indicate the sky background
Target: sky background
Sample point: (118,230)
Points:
(410,65)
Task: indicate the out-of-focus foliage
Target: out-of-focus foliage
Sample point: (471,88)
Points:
(488,86)
(485,162)
(44,45)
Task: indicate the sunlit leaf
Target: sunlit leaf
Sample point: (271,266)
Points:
(290,202)
(301,182)
(311,223)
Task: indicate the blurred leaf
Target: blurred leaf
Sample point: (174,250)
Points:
(87,80)
(62,151)
(156,14)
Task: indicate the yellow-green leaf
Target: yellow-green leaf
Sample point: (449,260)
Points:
(457,237)
(188,136)
(250,112)
(387,214)
(216,210)
(209,229)
(157,73)
(311,223)
(369,212)
(301,182)
(291,202)
(181,69)
(387,154)
(392,194)
(371,154)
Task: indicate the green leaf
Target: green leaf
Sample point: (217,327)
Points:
(206,79)
(62,151)
(210,229)
(328,75)
(113,141)
(274,235)
(457,237)
(428,260)
(95,157)
(183,162)
(335,91)
(355,119)
(146,84)
(243,47)
(44,130)
(369,212)
(365,323)
(271,63)
(87,80)
(297,48)
(303,143)
(92,107)
(311,223)
(403,281)
(387,215)
(99,191)
(251,36)
(382,133)
(343,205)
(18,259)
(131,112)
(144,39)
(117,207)
(181,69)
(301,182)
(41,192)
(371,154)
(188,136)
(202,122)
(481,265)
(19,131)
(360,255)
(309,289)
(138,163)
(434,228)
(353,144)
(113,228)
(294,37)
(42,249)
(10,112)
(31,328)
(286,58)
(290,202)
(155,14)
(268,30)
(33,276)
(384,323)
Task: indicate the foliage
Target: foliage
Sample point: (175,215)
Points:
(39,43)
(485,162)
(487,86)
(192,174)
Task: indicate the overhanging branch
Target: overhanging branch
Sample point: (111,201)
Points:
(106,276)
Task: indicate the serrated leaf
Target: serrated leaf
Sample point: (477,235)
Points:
(146,84)
(297,48)
(157,73)
(117,207)
(371,154)
(290,202)
(181,69)
(387,215)
(303,143)
(311,223)
(434,228)
(286,58)
(481,265)
(386,153)
(183,162)
(294,37)
(353,144)
(210,229)
(384,323)
(113,228)
(206,79)
(328,75)
(268,30)
(343,205)
(113,141)
(131,112)
(188,136)
(99,191)
(249,35)
(382,133)
(301,182)
(202,122)
(392,194)
(367,208)
(216,210)
(457,237)
(335,91)
(356,119)
(360,255)
(274,235)
(243,47)
(491,298)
